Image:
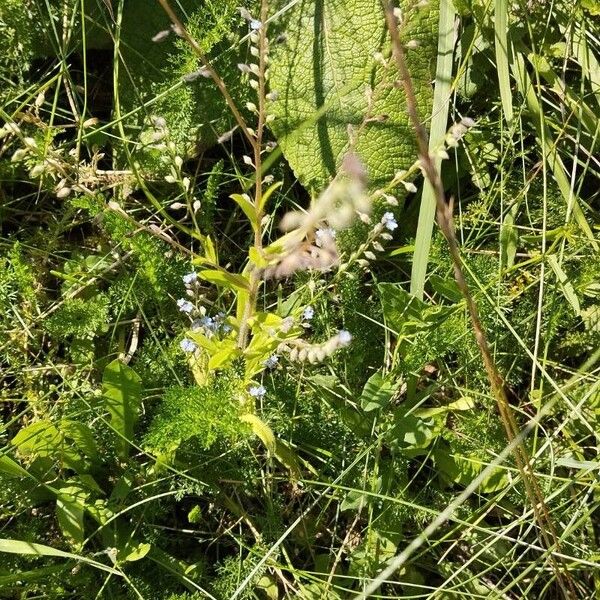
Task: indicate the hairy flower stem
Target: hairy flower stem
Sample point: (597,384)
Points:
(444,218)
(255,140)
(255,279)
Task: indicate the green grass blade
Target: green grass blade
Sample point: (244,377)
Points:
(502,60)
(549,148)
(439,120)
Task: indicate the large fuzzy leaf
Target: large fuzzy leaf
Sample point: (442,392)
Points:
(323,72)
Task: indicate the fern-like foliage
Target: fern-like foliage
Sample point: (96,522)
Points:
(206,414)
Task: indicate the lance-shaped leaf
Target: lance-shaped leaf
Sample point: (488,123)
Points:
(122,390)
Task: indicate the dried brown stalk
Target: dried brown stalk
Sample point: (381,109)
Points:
(445,222)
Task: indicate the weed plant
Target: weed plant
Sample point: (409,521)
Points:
(238,353)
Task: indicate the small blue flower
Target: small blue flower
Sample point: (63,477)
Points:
(188,345)
(344,337)
(190,278)
(389,221)
(209,324)
(257,391)
(272,361)
(225,328)
(185,305)
(255,24)
(308,314)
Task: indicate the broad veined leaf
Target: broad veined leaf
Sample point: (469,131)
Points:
(226,351)
(70,507)
(464,403)
(122,390)
(401,308)
(82,437)
(463,469)
(378,392)
(331,88)
(268,193)
(261,430)
(133,552)
(11,468)
(43,439)
(245,203)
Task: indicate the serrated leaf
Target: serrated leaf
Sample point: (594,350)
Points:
(121,391)
(323,73)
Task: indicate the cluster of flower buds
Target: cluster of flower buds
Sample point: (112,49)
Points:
(302,351)
(201,322)
(54,164)
(258,73)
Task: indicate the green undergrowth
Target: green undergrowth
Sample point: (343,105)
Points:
(187,413)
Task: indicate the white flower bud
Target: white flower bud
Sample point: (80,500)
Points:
(37,170)
(170,179)
(177,205)
(178,162)
(12,128)
(409,186)
(63,192)
(197,205)
(19,155)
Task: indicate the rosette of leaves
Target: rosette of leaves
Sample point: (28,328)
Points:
(332,87)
